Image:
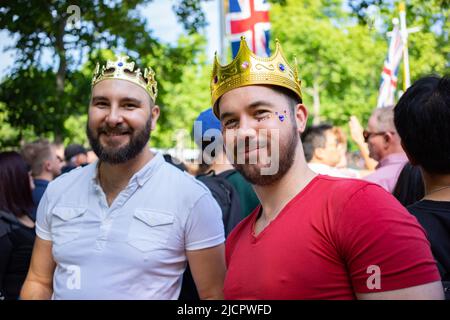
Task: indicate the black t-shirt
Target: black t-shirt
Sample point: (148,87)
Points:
(16,245)
(434,216)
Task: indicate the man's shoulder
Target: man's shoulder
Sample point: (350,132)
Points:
(387,167)
(337,186)
(346,193)
(75,177)
(358,201)
(177,179)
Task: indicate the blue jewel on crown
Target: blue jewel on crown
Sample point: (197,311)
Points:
(281,67)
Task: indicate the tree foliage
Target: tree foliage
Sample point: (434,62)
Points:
(40,98)
(342,54)
(340,47)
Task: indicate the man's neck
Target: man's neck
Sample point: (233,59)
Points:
(394,149)
(113,178)
(389,155)
(274,197)
(435,186)
(47,176)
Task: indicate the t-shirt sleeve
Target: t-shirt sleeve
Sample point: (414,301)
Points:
(383,245)
(43,219)
(204,226)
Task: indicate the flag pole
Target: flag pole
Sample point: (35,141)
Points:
(222,28)
(404,34)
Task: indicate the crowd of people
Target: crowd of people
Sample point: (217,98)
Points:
(122,222)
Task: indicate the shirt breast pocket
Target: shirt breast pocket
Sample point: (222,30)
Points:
(150,230)
(66,224)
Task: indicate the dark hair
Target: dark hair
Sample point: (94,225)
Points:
(313,138)
(292,98)
(409,187)
(422,119)
(73,150)
(15,191)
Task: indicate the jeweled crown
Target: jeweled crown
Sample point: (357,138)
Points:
(121,69)
(248,69)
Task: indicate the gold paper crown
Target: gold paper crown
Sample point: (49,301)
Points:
(248,69)
(121,69)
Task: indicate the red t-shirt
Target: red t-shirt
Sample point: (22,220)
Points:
(335,238)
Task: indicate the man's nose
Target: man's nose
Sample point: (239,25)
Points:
(114,117)
(246,129)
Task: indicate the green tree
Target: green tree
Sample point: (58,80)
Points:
(41,98)
(429,49)
(184,99)
(340,55)
(339,62)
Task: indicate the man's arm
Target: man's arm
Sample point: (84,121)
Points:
(208,270)
(39,282)
(428,291)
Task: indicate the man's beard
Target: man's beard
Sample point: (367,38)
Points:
(252,172)
(138,141)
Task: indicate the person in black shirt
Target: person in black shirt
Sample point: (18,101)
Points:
(422,118)
(16,226)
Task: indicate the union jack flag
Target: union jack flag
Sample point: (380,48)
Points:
(249,18)
(390,70)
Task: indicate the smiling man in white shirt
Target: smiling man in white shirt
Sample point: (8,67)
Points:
(125,226)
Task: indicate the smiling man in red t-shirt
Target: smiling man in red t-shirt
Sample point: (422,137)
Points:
(313,237)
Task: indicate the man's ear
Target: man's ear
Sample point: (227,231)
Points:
(410,157)
(387,137)
(155,115)
(47,165)
(301,116)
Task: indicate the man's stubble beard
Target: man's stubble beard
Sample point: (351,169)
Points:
(252,172)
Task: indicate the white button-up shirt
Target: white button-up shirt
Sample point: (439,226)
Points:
(134,249)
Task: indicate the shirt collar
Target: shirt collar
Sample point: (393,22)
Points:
(142,176)
(148,170)
(393,158)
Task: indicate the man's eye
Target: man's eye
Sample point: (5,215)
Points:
(230,123)
(130,106)
(262,114)
(101,104)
